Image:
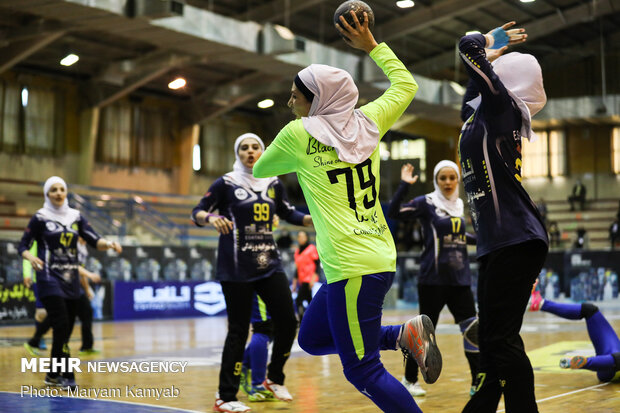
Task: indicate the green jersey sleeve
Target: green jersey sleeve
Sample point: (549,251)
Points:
(281,156)
(386,109)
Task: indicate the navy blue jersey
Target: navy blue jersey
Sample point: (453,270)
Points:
(259,310)
(57,248)
(502,212)
(249,251)
(444,258)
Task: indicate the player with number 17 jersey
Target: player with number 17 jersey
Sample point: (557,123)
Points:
(353,238)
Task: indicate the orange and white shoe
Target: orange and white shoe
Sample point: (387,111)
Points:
(575,362)
(417,341)
(279,391)
(229,407)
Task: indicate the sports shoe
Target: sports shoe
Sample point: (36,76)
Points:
(229,407)
(575,362)
(245,382)
(413,388)
(67,383)
(42,345)
(417,341)
(33,351)
(279,391)
(89,352)
(259,394)
(536,301)
(53,381)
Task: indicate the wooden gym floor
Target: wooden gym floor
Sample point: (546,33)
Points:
(317,383)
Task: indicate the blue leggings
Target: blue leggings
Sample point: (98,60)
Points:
(602,335)
(255,357)
(344,318)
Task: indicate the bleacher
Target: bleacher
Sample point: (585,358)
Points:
(133,217)
(147,218)
(595,219)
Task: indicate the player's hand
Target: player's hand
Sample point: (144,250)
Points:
(222,224)
(28,282)
(96,278)
(307,221)
(359,35)
(504,36)
(37,263)
(406,174)
(493,54)
(115,246)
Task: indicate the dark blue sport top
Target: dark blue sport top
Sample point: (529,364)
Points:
(249,252)
(502,212)
(444,258)
(57,247)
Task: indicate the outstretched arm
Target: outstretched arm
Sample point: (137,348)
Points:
(385,110)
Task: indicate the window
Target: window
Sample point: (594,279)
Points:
(411,149)
(615,149)
(535,156)
(29,118)
(557,157)
(152,135)
(11,106)
(546,156)
(114,143)
(38,119)
(217,156)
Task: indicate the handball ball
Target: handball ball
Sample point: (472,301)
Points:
(359,7)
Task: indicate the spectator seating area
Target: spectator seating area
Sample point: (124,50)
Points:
(133,217)
(595,219)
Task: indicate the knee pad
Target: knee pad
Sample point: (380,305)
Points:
(469,328)
(616,357)
(588,310)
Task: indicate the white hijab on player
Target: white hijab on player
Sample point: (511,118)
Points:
(63,214)
(452,205)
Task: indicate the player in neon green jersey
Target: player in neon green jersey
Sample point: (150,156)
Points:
(333,148)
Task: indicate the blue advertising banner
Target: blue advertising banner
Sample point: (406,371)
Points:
(144,299)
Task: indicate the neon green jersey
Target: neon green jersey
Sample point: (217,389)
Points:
(353,238)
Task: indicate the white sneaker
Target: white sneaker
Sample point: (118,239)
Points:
(279,391)
(229,407)
(413,388)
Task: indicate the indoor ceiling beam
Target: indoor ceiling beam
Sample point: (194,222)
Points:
(276,9)
(228,97)
(426,17)
(130,75)
(537,28)
(19,50)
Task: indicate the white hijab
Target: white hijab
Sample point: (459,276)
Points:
(241,174)
(453,205)
(333,119)
(522,76)
(63,214)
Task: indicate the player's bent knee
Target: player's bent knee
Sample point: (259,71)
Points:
(588,310)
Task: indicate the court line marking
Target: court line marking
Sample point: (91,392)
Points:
(566,394)
(118,401)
